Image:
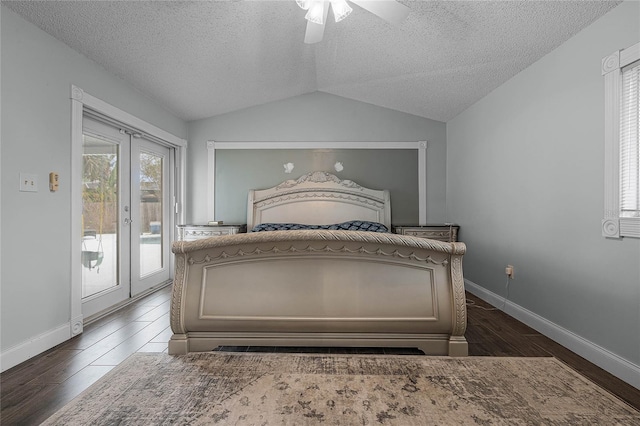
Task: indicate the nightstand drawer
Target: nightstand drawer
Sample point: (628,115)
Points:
(433,232)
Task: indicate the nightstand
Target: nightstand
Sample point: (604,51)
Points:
(197,232)
(448,233)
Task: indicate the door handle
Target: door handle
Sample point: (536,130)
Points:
(128,221)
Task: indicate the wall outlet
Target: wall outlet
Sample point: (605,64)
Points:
(509,271)
(28,182)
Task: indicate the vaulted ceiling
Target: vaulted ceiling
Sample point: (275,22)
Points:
(203,58)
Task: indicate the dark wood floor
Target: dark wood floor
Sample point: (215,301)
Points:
(35,389)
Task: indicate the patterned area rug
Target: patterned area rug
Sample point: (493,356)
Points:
(297,389)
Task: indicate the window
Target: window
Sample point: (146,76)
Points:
(629,168)
(621,72)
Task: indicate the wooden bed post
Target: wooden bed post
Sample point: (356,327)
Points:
(179,343)
(458,345)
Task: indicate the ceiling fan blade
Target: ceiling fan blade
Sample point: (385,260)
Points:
(315,32)
(389,10)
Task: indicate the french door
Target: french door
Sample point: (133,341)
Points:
(150,215)
(126,215)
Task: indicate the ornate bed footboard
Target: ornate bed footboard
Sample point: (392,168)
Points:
(319,288)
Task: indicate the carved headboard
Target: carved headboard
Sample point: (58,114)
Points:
(318,198)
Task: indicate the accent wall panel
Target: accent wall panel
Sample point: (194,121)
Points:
(239,170)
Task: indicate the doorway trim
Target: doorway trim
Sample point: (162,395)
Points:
(81,101)
(419,146)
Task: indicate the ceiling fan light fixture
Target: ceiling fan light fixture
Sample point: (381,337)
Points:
(340,9)
(390,10)
(316,12)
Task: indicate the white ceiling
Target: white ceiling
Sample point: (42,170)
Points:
(203,58)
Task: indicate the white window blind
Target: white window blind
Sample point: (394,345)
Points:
(621,72)
(629,142)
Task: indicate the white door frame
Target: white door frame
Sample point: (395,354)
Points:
(80,100)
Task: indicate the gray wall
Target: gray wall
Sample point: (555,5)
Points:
(37,73)
(239,170)
(316,117)
(525,182)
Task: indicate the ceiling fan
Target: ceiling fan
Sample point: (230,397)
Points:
(317,11)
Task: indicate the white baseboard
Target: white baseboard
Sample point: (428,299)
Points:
(614,364)
(47,340)
(34,346)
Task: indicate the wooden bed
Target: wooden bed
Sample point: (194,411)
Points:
(318,287)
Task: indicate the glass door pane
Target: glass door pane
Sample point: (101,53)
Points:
(151,213)
(100,207)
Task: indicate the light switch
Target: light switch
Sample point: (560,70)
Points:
(28,182)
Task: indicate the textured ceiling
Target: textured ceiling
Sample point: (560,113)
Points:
(203,58)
